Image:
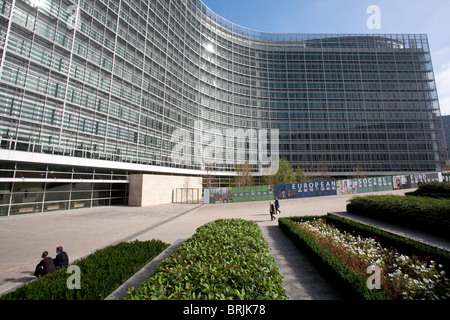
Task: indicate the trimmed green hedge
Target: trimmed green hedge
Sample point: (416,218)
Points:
(432,190)
(227,259)
(101,273)
(336,271)
(348,282)
(427,214)
(405,245)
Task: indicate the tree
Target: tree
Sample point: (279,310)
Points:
(244,177)
(359,172)
(285,174)
(319,171)
(208,178)
(300,175)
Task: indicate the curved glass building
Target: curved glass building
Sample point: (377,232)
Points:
(95,90)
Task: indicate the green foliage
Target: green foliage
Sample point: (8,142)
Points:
(337,271)
(433,190)
(285,174)
(300,175)
(387,239)
(349,283)
(101,273)
(227,259)
(427,214)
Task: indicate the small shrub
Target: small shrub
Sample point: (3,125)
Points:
(432,190)
(345,262)
(350,284)
(101,273)
(401,276)
(427,214)
(227,259)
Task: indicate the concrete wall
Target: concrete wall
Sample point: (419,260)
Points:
(149,189)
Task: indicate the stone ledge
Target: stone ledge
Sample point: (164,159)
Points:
(399,230)
(144,274)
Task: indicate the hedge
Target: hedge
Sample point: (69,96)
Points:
(337,272)
(426,214)
(101,273)
(432,190)
(227,259)
(349,284)
(388,239)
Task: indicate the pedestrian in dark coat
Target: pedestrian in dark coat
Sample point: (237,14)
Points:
(61,258)
(272,211)
(277,206)
(44,267)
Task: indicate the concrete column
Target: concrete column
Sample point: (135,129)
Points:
(150,189)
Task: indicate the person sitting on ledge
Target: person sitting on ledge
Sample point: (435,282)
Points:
(61,258)
(44,267)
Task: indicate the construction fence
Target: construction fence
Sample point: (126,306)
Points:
(318,189)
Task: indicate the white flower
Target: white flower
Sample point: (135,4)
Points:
(368,250)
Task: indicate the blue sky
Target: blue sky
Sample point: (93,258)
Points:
(431,17)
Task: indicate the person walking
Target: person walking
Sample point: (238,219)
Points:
(272,211)
(277,206)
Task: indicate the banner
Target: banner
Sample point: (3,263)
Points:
(305,189)
(217,195)
(238,194)
(409,181)
(362,185)
(320,188)
(255,193)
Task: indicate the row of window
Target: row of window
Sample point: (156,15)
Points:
(30,197)
(221,25)
(358,146)
(95,79)
(116,96)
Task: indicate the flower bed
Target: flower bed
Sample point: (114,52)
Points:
(348,256)
(227,259)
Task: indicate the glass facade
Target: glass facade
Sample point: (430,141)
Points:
(112,80)
(31,188)
(446,124)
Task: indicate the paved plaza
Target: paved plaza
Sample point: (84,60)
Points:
(82,231)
